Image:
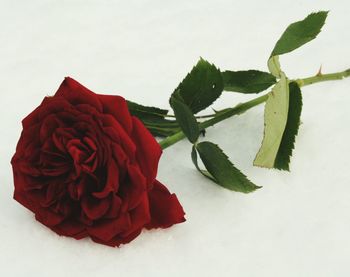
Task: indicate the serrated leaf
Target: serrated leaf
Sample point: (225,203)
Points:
(161,127)
(291,131)
(299,33)
(145,111)
(154,119)
(201,87)
(296,35)
(221,169)
(195,162)
(249,81)
(275,120)
(185,118)
(161,132)
(270,155)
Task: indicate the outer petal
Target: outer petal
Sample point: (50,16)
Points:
(48,218)
(118,108)
(139,217)
(47,106)
(31,118)
(21,194)
(132,191)
(165,207)
(106,229)
(76,93)
(148,150)
(116,241)
(52,105)
(70,228)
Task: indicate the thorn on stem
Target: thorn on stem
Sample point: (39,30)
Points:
(319,73)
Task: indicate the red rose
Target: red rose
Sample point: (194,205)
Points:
(86,167)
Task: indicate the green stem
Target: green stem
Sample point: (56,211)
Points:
(243,107)
(322,78)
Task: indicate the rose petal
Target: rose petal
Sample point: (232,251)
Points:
(20,194)
(165,207)
(95,208)
(148,150)
(66,207)
(117,106)
(48,105)
(76,93)
(53,106)
(71,228)
(116,132)
(139,216)
(106,229)
(116,241)
(132,191)
(53,193)
(112,182)
(84,219)
(31,118)
(47,217)
(28,168)
(119,155)
(28,144)
(114,208)
(24,192)
(49,154)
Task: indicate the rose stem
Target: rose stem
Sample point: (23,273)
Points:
(243,107)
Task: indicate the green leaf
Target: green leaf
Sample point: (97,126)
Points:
(154,119)
(161,127)
(276,114)
(291,131)
(161,132)
(278,142)
(274,66)
(221,169)
(185,118)
(250,81)
(201,87)
(145,111)
(296,35)
(299,33)
(195,161)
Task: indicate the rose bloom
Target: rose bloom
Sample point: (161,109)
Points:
(86,167)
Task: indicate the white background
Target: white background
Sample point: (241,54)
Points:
(298,224)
